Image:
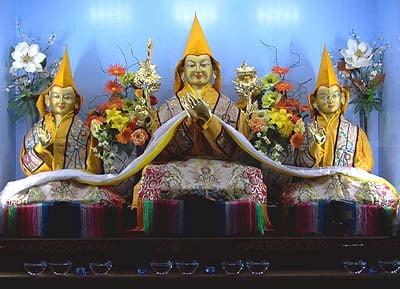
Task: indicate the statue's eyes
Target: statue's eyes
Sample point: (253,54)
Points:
(205,64)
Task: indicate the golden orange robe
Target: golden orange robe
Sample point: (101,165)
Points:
(70,147)
(346,145)
(208,140)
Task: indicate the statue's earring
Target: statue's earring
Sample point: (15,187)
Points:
(183,78)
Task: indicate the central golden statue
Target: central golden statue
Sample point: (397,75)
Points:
(200,160)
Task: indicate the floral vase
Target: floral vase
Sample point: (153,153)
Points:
(364,120)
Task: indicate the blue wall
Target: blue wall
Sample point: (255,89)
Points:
(93,30)
(389,137)
(7,37)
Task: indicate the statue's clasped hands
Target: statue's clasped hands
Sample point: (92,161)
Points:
(318,134)
(196,108)
(44,137)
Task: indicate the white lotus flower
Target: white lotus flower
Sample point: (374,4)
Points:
(27,57)
(357,55)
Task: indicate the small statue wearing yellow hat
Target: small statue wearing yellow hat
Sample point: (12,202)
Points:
(335,141)
(59,140)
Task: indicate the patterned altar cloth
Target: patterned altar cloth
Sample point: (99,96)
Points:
(186,197)
(339,205)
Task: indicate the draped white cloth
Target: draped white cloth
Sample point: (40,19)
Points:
(157,143)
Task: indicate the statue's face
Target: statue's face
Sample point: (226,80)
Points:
(198,70)
(329,99)
(61,100)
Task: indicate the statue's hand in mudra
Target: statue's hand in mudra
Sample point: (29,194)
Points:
(319,134)
(44,137)
(196,107)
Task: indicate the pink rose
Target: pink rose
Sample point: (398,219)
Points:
(256,124)
(139,137)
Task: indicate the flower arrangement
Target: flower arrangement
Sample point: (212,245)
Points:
(361,69)
(30,74)
(278,123)
(125,120)
(275,114)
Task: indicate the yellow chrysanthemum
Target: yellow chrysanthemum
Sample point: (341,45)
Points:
(116,119)
(278,117)
(287,129)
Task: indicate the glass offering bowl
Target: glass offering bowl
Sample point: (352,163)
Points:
(232,267)
(390,266)
(257,267)
(100,268)
(355,266)
(35,268)
(187,267)
(161,267)
(60,268)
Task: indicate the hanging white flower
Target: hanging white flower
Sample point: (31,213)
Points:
(357,54)
(27,57)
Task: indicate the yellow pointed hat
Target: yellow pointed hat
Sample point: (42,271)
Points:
(327,77)
(326,74)
(63,78)
(196,45)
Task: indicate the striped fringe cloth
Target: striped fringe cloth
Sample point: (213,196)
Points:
(199,217)
(62,219)
(338,218)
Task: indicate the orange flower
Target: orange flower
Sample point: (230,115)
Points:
(297,140)
(294,118)
(280,70)
(113,86)
(114,102)
(284,87)
(290,104)
(124,136)
(116,70)
(139,137)
(256,124)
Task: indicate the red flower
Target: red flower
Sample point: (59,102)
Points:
(132,124)
(290,104)
(92,116)
(116,70)
(284,87)
(280,70)
(113,87)
(114,102)
(153,100)
(297,140)
(294,118)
